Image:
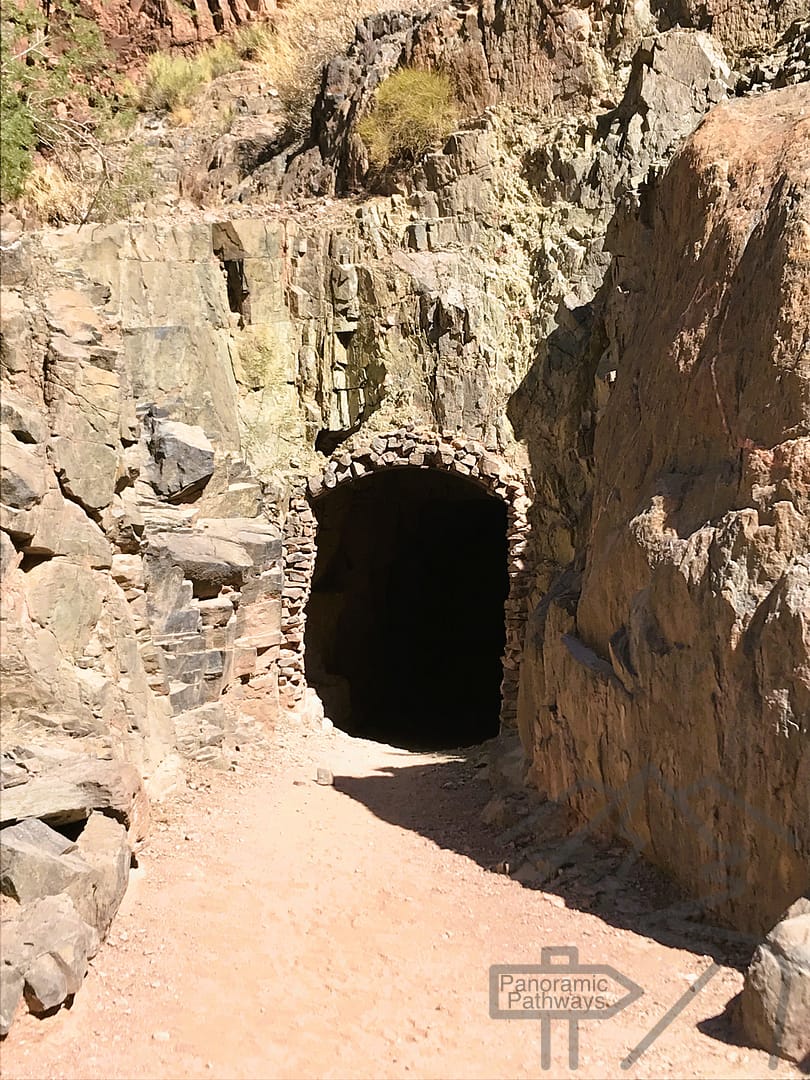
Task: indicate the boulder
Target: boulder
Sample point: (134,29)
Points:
(184,458)
(72,790)
(167,778)
(11,989)
(207,560)
(35,861)
(32,831)
(45,953)
(22,475)
(774,1008)
(104,847)
(24,419)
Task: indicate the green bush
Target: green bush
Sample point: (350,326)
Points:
(252,42)
(219,59)
(41,61)
(17,139)
(414,109)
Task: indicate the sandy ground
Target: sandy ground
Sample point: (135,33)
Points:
(278,928)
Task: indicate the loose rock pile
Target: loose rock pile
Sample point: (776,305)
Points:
(60,894)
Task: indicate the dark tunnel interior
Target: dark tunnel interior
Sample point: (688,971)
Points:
(405,624)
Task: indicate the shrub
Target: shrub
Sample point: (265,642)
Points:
(303,36)
(41,61)
(219,59)
(83,186)
(414,109)
(253,42)
(171,82)
(16,142)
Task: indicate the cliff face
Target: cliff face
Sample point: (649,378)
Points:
(547,298)
(165,387)
(672,690)
(160,24)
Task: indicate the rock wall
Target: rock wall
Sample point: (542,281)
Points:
(165,387)
(666,683)
(134,539)
(552,59)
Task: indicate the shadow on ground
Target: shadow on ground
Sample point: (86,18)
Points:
(451,803)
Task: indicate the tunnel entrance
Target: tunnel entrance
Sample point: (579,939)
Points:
(405,621)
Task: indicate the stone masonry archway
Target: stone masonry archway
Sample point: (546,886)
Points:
(414,449)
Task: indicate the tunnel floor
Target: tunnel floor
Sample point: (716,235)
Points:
(405,623)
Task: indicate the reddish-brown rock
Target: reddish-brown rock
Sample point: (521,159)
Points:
(676,688)
(132,28)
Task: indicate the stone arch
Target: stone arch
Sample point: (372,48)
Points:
(417,449)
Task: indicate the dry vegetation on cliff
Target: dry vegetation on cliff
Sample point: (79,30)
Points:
(66,109)
(61,119)
(413,110)
(306,35)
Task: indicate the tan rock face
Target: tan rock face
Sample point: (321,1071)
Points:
(712,370)
(682,669)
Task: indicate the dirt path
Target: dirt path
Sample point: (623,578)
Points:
(277,928)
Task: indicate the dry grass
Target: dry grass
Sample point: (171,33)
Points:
(53,197)
(291,48)
(173,82)
(413,110)
(78,187)
(306,34)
